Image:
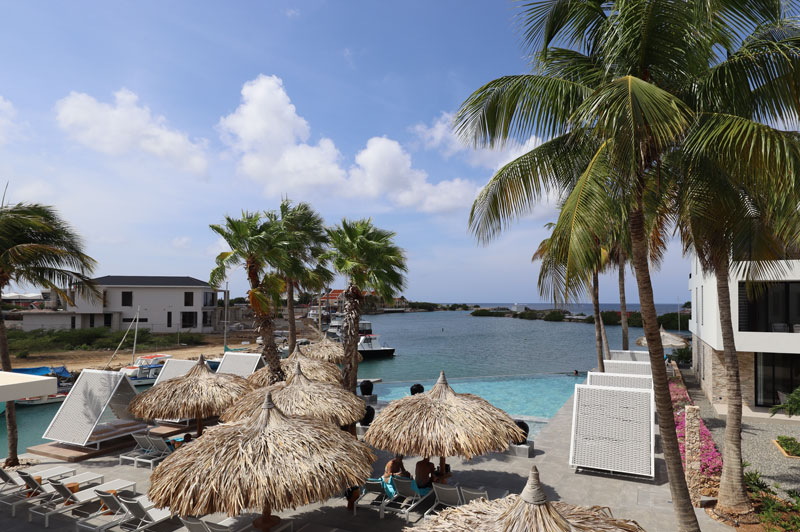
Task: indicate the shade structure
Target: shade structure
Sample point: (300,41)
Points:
(316,370)
(329,351)
(198,394)
(267,462)
(303,397)
(529,511)
(667,340)
(441,422)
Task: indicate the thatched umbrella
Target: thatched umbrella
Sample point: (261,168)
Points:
(316,370)
(667,340)
(329,351)
(441,422)
(267,462)
(527,512)
(199,394)
(303,397)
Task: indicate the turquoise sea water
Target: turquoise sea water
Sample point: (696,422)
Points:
(520,366)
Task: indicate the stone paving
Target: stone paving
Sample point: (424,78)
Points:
(757,436)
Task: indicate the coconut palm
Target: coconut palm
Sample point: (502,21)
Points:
(371,261)
(257,245)
(303,231)
(37,247)
(616,88)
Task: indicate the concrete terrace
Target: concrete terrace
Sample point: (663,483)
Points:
(647,502)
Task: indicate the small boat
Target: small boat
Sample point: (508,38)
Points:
(335,328)
(370,347)
(65,380)
(145,370)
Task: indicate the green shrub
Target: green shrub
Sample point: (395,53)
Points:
(790,445)
(610,317)
(791,407)
(529,315)
(588,319)
(635,319)
(22,354)
(682,355)
(670,321)
(423,305)
(755,484)
(554,315)
(482,312)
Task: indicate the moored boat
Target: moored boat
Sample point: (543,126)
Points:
(370,347)
(144,371)
(65,380)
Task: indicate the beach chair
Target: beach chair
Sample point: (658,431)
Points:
(238,524)
(193,524)
(159,451)
(373,495)
(12,482)
(69,501)
(110,514)
(468,495)
(143,447)
(446,497)
(142,517)
(42,492)
(406,499)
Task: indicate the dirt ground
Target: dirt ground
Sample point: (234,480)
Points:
(77,360)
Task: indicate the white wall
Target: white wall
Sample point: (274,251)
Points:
(50,320)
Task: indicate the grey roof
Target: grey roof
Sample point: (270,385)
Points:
(149,280)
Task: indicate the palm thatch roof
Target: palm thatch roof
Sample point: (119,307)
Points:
(329,351)
(441,422)
(303,397)
(200,393)
(316,370)
(266,462)
(527,512)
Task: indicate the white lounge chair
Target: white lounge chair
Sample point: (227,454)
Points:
(69,501)
(110,513)
(406,498)
(468,495)
(446,497)
(42,492)
(13,482)
(373,495)
(143,447)
(142,517)
(159,451)
(237,524)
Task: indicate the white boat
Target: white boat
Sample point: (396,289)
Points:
(370,347)
(65,380)
(145,370)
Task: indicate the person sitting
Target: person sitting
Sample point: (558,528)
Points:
(425,473)
(187,437)
(395,467)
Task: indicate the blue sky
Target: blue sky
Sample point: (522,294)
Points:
(143,122)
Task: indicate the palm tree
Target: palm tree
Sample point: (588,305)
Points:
(618,86)
(38,248)
(304,233)
(257,244)
(371,261)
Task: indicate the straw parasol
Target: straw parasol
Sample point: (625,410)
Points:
(303,397)
(199,394)
(267,462)
(329,351)
(527,512)
(441,422)
(316,370)
(667,340)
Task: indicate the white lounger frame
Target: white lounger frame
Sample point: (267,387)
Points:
(628,367)
(241,364)
(620,380)
(613,429)
(629,355)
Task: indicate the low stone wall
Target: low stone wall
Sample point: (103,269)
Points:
(710,367)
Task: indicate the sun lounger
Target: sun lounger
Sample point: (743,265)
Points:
(42,492)
(142,517)
(446,497)
(468,495)
(13,482)
(110,514)
(239,523)
(373,495)
(71,501)
(159,451)
(143,447)
(406,498)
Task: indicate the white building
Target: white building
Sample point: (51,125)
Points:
(166,305)
(766,333)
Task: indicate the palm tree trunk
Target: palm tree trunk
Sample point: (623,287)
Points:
(266,326)
(598,334)
(11,412)
(352,314)
(623,307)
(684,512)
(604,337)
(732,495)
(290,314)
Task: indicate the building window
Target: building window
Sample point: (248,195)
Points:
(209,299)
(770,307)
(127,299)
(107,320)
(169,320)
(702,308)
(777,375)
(188,299)
(91,320)
(129,320)
(188,320)
(72,322)
(206,318)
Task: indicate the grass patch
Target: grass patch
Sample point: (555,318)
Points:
(23,343)
(789,444)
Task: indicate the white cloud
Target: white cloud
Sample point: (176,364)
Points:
(126,126)
(291,13)
(439,135)
(8,125)
(272,142)
(181,242)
